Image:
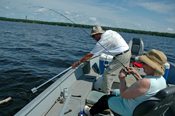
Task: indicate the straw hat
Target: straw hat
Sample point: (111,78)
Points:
(156,59)
(97,29)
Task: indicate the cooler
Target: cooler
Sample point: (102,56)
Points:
(167,68)
(105,61)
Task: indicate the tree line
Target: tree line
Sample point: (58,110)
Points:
(90,26)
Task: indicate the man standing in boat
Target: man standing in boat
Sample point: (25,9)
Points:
(110,43)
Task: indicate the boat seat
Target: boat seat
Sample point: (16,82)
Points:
(157,105)
(136,46)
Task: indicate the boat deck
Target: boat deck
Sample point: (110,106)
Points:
(82,87)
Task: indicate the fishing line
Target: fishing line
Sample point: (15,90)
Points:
(72,22)
(87,34)
(59,14)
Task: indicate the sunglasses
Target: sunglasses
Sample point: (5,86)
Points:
(94,35)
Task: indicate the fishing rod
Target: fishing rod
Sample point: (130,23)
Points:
(87,34)
(35,88)
(59,14)
(75,24)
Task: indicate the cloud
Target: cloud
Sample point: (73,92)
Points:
(137,24)
(52,14)
(55,19)
(26,3)
(93,19)
(169,29)
(41,10)
(11,14)
(121,8)
(136,14)
(159,7)
(67,12)
(77,15)
(8,8)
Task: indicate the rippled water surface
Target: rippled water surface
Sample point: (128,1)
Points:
(30,54)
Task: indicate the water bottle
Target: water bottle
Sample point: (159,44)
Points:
(167,68)
(80,113)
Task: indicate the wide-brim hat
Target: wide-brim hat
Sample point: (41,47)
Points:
(96,30)
(156,59)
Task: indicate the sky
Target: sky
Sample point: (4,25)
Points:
(146,15)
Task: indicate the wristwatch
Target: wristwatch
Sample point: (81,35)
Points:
(79,62)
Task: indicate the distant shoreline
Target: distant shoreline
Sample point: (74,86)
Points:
(90,26)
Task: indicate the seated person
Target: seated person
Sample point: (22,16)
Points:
(128,98)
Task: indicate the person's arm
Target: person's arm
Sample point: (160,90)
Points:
(138,88)
(88,56)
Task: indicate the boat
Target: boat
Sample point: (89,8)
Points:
(76,88)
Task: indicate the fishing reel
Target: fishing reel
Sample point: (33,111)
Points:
(124,71)
(127,73)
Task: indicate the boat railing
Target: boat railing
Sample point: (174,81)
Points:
(51,93)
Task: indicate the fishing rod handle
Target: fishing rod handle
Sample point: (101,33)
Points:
(136,77)
(126,73)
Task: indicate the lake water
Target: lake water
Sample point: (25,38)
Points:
(30,54)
